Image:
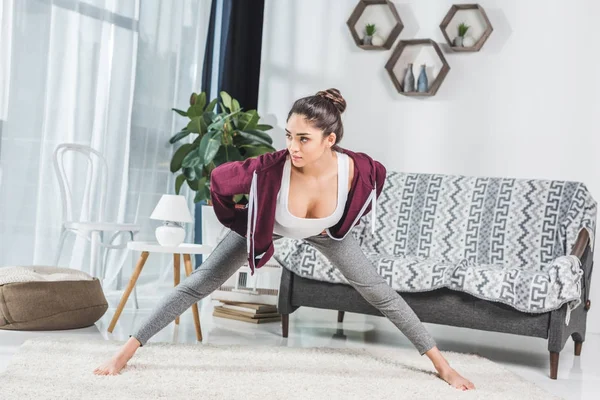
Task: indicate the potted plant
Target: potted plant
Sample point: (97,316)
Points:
(229,134)
(462,31)
(369,32)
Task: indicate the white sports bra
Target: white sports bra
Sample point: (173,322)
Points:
(289,225)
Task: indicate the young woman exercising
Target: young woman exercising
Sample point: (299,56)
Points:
(312,190)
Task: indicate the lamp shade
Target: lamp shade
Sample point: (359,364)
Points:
(172,207)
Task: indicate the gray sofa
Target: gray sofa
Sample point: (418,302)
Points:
(494,254)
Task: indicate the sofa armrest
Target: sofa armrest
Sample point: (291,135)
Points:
(582,250)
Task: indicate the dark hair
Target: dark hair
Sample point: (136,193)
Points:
(324,110)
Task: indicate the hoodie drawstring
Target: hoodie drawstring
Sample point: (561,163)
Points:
(252,215)
(373,208)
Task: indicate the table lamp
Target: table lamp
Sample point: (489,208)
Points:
(174,211)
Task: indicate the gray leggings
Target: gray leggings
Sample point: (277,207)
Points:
(230,254)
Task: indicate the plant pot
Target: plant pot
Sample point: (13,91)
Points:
(458,41)
(377,41)
(368,40)
(468,41)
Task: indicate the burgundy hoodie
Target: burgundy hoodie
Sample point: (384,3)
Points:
(260,178)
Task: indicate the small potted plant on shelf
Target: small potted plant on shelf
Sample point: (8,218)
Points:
(369,32)
(462,31)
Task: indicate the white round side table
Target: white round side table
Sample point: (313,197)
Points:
(153,247)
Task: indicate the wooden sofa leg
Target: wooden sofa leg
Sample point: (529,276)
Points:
(578,339)
(340,316)
(553,364)
(578,348)
(285,323)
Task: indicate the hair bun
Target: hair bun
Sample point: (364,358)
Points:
(335,97)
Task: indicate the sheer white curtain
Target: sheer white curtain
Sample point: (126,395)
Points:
(104,73)
(5,51)
(172,40)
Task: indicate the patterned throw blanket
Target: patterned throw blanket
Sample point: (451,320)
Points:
(499,239)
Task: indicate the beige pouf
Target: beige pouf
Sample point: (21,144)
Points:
(41,298)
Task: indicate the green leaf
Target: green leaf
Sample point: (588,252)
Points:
(179,136)
(211,105)
(194,125)
(198,125)
(235,105)
(191,160)
(248,120)
(209,146)
(209,117)
(199,171)
(253,120)
(178,182)
(226,154)
(201,101)
(179,156)
(195,110)
(203,192)
(193,185)
(254,151)
(180,112)
(264,127)
(252,139)
(264,136)
(190,174)
(226,100)
(220,121)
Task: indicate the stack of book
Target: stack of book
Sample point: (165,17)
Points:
(248,312)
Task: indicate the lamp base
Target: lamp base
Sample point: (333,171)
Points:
(171,236)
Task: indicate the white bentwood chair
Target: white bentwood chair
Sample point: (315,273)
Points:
(90,224)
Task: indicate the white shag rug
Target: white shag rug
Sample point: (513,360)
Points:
(62,368)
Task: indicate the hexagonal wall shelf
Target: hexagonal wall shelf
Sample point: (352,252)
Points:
(418,52)
(387,22)
(473,15)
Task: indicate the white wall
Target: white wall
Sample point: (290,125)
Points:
(526,106)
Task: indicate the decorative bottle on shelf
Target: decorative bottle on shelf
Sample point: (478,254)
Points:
(409,79)
(422,84)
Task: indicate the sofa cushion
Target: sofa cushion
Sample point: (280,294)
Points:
(49,298)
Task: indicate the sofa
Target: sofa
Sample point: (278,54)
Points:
(489,253)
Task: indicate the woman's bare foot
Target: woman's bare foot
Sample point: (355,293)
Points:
(119,360)
(446,372)
(453,378)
